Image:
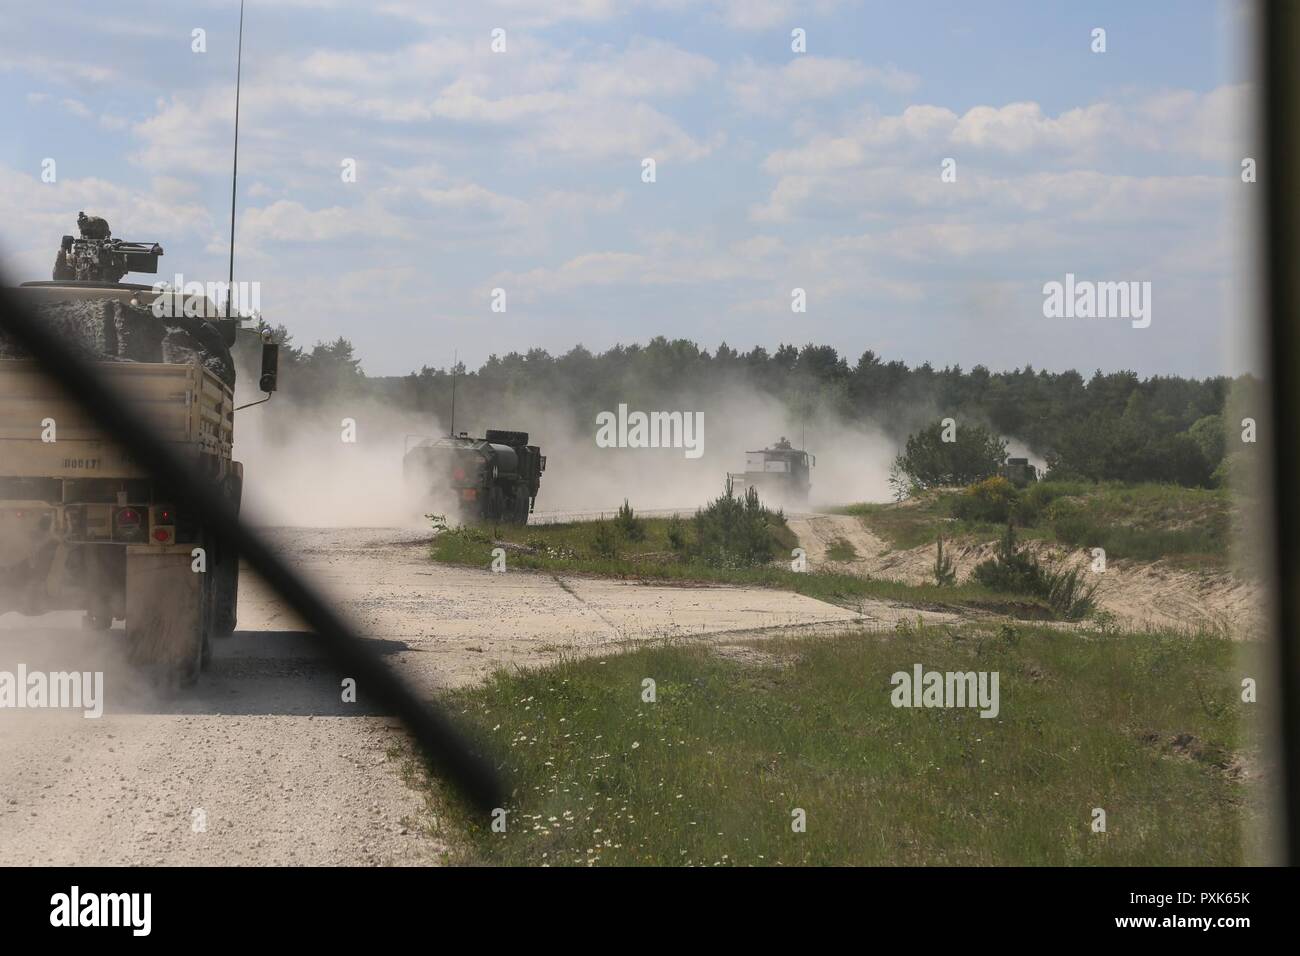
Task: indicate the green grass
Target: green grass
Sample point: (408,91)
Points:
(711,772)
(570,548)
(841,549)
(1190,526)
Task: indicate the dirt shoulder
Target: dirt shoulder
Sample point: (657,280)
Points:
(1139,594)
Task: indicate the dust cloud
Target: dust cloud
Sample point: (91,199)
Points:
(300,470)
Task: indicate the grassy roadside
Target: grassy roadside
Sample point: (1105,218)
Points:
(574,548)
(1147,727)
(1189,526)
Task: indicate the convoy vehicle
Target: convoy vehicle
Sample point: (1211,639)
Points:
(782,474)
(493,478)
(82,527)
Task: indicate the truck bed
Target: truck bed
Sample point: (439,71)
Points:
(185,404)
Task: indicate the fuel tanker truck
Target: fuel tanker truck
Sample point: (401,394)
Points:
(82,527)
(493,478)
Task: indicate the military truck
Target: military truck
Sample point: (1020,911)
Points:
(493,478)
(782,474)
(1019,472)
(82,527)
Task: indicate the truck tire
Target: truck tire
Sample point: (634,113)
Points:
(169,615)
(225,603)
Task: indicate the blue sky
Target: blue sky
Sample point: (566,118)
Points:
(522,170)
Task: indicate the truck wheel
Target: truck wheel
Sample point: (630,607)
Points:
(168,616)
(97,621)
(226,597)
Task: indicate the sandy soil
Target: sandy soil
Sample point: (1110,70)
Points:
(281,770)
(1139,594)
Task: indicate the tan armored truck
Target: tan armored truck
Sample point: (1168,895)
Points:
(782,474)
(81,526)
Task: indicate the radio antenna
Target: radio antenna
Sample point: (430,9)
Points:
(455,361)
(234,174)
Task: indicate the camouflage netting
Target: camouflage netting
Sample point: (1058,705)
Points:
(109,330)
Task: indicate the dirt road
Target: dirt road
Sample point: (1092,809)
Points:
(263,763)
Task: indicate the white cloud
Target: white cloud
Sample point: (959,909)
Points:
(34,214)
(289,221)
(804,79)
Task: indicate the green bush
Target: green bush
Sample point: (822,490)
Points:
(1038,498)
(945,575)
(1015,571)
(628,524)
(1010,569)
(734,532)
(1067,592)
(604,540)
(993,500)
(928,461)
(676,533)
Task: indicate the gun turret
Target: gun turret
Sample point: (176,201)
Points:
(97,257)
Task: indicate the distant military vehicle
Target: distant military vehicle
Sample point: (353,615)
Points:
(781,474)
(1019,472)
(82,527)
(493,478)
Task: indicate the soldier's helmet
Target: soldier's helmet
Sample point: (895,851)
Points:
(93,227)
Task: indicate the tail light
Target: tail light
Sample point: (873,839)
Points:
(128,524)
(162,524)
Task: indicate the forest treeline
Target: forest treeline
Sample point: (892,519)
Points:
(1110,426)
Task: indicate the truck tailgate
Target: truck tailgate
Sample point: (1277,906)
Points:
(184,404)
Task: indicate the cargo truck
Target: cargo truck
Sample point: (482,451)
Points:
(84,528)
(782,474)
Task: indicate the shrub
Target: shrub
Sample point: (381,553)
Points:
(1010,569)
(628,524)
(604,540)
(992,499)
(734,532)
(1067,592)
(841,549)
(1039,497)
(928,461)
(677,533)
(1018,572)
(945,575)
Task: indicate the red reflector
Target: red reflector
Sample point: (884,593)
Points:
(458,474)
(469,494)
(162,534)
(128,516)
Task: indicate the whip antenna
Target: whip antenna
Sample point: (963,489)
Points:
(234,174)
